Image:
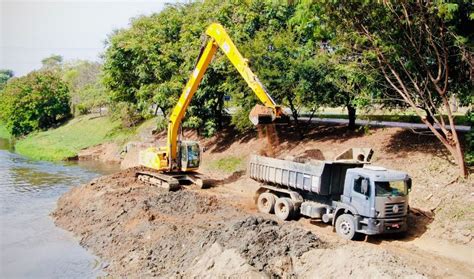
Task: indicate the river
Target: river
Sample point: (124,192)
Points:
(31,246)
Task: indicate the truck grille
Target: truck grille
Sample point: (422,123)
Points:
(389,209)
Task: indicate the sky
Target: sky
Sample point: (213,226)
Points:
(31,30)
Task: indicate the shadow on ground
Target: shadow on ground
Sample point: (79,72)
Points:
(418,222)
(236,175)
(288,134)
(405,141)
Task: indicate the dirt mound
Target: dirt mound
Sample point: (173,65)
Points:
(143,230)
(263,242)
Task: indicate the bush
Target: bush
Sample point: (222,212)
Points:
(82,109)
(127,113)
(35,102)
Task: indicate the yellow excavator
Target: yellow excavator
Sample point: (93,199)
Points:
(176,163)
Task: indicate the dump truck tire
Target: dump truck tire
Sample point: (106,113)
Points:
(346,226)
(284,208)
(266,203)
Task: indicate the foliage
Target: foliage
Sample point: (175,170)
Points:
(4,132)
(86,89)
(308,54)
(127,114)
(5,75)
(34,102)
(52,61)
(149,63)
(419,47)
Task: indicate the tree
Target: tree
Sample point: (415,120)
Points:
(5,75)
(420,49)
(33,102)
(85,86)
(150,62)
(52,61)
(348,83)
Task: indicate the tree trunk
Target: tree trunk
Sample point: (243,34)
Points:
(452,144)
(351,111)
(294,113)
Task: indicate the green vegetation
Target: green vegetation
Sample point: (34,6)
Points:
(149,63)
(87,92)
(67,140)
(35,102)
(52,62)
(421,50)
(228,164)
(4,131)
(5,75)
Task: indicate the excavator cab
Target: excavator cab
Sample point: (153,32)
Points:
(189,155)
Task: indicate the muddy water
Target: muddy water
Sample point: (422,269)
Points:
(31,245)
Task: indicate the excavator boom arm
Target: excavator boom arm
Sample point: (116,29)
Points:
(218,38)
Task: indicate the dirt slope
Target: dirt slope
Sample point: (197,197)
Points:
(205,233)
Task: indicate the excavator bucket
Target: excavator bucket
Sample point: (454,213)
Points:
(261,115)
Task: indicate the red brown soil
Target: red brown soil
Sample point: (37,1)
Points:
(142,231)
(191,232)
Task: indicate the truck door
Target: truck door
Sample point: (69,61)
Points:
(360,197)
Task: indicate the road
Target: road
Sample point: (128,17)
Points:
(459,128)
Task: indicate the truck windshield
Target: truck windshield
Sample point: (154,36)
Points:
(390,188)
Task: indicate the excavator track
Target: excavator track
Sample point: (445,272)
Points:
(172,181)
(157,179)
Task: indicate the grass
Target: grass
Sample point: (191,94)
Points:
(228,164)
(65,142)
(4,132)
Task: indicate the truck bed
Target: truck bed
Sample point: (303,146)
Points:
(319,177)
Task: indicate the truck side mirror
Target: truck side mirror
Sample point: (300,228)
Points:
(409,184)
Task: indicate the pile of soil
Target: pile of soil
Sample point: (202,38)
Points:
(145,230)
(141,230)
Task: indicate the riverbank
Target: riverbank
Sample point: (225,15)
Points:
(69,139)
(147,223)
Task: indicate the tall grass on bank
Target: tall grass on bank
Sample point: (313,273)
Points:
(66,141)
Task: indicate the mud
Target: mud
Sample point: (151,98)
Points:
(141,231)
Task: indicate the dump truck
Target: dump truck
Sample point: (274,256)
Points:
(348,193)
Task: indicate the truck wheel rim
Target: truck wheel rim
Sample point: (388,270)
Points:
(346,227)
(282,208)
(265,203)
